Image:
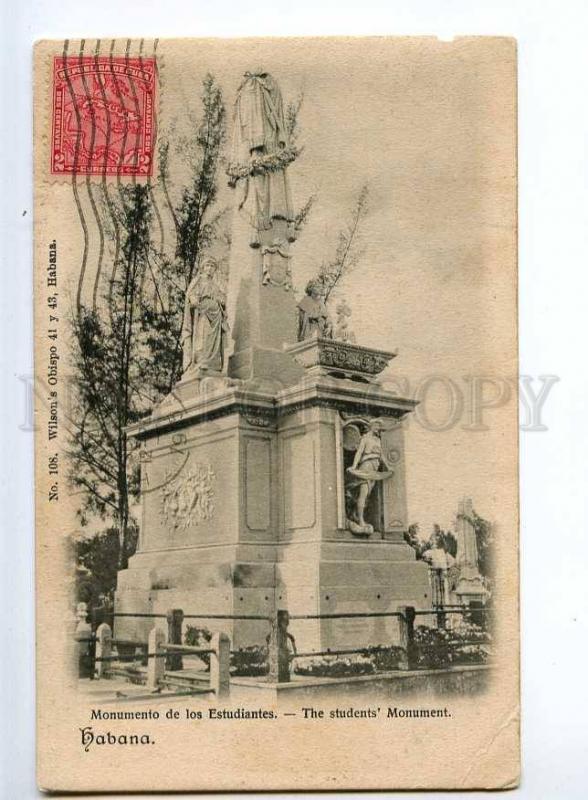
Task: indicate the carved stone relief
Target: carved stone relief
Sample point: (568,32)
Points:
(187,499)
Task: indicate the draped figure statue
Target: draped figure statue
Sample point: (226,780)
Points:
(260,153)
(205,327)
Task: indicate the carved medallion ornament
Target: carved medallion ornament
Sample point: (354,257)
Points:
(276,265)
(188,498)
(393,455)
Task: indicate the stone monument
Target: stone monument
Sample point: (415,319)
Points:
(273,477)
(469,586)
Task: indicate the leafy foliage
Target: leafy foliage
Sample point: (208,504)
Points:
(108,359)
(485,542)
(247,661)
(412,538)
(366,662)
(291,114)
(99,555)
(303,214)
(334,666)
(438,538)
(444,539)
(198,225)
(436,648)
(199,637)
(385,659)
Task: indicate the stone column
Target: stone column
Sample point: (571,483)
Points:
(261,304)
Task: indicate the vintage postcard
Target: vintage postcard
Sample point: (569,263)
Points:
(276,414)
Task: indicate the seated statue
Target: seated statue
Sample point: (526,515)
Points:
(313,317)
(342,331)
(205,326)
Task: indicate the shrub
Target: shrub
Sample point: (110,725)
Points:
(334,666)
(442,647)
(245,662)
(366,662)
(199,637)
(385,659)
(249,661)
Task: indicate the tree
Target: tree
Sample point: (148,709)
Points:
(444,539)
(127,352)
(412,538)
(99,555)
(447,541)
(438,538)
(197,226)
(108,358)
(348,252)
(485,542)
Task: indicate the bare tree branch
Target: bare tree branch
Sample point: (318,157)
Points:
(348,253)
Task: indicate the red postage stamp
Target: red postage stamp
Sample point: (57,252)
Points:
(103,116)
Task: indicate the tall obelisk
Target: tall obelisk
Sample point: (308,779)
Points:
(261,303)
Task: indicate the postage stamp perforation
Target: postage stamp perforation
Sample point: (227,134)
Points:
(111,134)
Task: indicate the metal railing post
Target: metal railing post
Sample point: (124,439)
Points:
(175,618)
(220,663)
(406,626)
(278,656)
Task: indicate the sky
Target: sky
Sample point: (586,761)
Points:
(430,127)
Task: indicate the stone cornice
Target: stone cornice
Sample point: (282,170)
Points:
(257,406)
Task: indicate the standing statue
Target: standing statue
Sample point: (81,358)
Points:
(442,564)
(204,328)
(363,474)
(261,151)
(313,317)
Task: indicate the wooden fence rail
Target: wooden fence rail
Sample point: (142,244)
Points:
(164,651)
(96,656)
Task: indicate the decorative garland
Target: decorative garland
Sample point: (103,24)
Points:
(261,165)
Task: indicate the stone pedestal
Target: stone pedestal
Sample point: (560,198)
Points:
(243,513)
